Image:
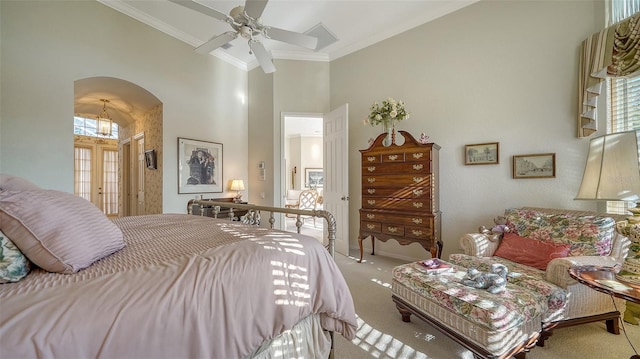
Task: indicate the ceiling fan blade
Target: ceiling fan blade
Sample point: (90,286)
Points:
(263,57)
(202,9)
(216,42)
(291,37)
(254,8)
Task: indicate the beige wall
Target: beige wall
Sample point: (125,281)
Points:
(296,86)
(496,71)
(47,45)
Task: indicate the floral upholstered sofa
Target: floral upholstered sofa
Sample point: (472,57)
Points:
(540,247)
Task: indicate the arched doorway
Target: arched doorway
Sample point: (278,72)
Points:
(138,114)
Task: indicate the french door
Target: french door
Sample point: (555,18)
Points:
(96,172)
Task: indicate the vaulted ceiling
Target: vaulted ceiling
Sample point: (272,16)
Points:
(346,26)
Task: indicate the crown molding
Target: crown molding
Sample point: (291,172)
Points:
(169,30)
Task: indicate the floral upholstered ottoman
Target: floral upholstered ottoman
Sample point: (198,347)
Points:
(490,325)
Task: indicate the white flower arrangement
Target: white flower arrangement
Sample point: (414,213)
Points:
(387,113)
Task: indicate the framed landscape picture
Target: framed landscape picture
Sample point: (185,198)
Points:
(482,154)
(199,166)
(313,177)
(542,165)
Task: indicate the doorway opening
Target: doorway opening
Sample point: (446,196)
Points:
(302,139)
(137,117)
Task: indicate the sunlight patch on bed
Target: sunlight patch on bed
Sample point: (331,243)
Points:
(291,284)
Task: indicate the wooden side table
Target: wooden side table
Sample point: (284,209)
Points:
(604,279)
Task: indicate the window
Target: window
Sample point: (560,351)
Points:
(87,127)
(623,102)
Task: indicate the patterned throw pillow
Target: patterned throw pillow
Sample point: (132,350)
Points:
(13,264)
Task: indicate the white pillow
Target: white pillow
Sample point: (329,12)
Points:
(57,231)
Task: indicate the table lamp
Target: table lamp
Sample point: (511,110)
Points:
(237,185)
(612,173)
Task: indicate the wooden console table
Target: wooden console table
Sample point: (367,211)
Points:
(208,210)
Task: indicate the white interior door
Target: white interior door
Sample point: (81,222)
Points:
(336,172)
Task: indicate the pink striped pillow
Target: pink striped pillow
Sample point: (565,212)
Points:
(57,231)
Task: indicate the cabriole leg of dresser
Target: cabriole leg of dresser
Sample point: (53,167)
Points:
(373,245)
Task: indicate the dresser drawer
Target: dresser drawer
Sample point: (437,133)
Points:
(371,159)
(410,219)
(394,168)
(393,229)
(370,226)
(393,157)
(421,154)
(396,204)
(402,192)
(419,232)
(396,180)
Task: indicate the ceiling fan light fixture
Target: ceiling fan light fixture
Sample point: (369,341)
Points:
(246,22)
(103,121)
(246,32)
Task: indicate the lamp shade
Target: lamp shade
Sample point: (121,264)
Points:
(612,172)
(237,185)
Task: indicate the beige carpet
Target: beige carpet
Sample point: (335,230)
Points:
(382,334)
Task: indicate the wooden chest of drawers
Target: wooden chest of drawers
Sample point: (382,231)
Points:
(400,194)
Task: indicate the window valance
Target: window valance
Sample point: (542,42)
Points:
(612,52)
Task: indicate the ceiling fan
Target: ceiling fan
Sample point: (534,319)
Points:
(245,21)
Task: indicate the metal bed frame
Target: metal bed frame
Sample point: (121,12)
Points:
(254,216)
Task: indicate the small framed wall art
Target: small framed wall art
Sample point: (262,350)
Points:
(314,177)
(482,154)
(150,159)
(541,165)
(199,166)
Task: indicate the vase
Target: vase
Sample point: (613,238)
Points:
(390,130)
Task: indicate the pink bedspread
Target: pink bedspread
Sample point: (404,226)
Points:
(183,287)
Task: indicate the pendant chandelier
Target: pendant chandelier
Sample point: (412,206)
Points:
(103,121)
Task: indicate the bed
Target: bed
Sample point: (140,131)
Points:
(178,286)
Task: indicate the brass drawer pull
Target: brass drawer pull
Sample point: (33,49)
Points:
(371,158)
(418,156)
(371,180)
(416,232)
(393,157)
(418,167)
(392,229)
(371,226)
(418,192)
(371,216)
(416,220)
(371,190)
(417,204)
(371,168)
(371,202)
(418,179)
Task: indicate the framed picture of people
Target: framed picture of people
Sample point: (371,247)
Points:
(199,166)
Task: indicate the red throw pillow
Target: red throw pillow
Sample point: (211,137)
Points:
(531,252)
